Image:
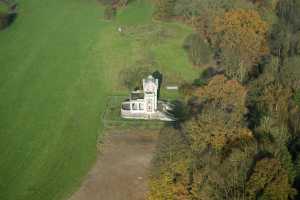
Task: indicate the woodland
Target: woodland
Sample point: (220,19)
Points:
(238,133)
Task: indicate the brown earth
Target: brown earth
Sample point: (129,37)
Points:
(121,169)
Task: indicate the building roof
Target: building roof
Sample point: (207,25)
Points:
(149,79)
(137,95)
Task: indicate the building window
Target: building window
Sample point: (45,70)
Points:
(135,106)
(141,106)
(125,106)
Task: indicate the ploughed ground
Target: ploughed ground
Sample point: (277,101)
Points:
(122,167)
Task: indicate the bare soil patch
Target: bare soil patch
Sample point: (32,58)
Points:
(121,169)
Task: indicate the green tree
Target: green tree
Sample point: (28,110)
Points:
(187,8)
(279,40)
(131,76)
(297,97)
(275,100)
(269,181)
(289,11)
(290,72)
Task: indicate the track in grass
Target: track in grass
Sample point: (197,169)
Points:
(59,62)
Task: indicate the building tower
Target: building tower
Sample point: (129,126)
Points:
(150,86)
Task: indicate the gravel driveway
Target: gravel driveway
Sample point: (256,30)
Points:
(121,169)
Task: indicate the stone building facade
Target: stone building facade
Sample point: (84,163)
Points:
(144,104)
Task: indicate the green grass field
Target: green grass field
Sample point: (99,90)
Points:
(3,8)
(59,61)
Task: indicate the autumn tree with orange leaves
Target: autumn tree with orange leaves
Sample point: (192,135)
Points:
(222,105)
(241,37)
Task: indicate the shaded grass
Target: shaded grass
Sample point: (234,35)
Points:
(59,62)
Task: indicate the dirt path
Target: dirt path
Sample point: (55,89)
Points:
(121,170)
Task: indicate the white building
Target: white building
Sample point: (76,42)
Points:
(143,104)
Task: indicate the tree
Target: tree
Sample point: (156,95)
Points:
(214,133)
(164,9)
(279,40)
(289,11)
(275,100)
(296,97)
(131,76)
(269,181)
(170,175)
(241,129)
(274,131)
(223,147)
(221,105)
(161,188)
(242,33)
(229,96)
(290,72)
(207,11)
(295,44)
(187,8)
(271,4)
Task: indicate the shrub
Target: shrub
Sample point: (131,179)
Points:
(131,77)
(199,82)
(7,13)
(3,20)
(3,15)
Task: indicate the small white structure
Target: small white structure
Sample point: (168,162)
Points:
(120,29)
(143,104)
(173,87)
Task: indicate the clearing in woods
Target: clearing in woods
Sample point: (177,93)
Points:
(59,62)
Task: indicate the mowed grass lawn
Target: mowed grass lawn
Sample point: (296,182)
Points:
(59,61)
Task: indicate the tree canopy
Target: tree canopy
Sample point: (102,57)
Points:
(241,129)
